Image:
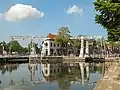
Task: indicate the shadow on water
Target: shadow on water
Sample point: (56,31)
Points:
(55,76)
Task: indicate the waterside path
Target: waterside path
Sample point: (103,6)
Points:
(111,78)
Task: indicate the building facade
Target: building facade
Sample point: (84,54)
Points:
(49,47)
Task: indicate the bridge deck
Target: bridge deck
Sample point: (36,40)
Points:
(56,58)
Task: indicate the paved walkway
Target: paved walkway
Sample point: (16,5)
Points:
(111,79)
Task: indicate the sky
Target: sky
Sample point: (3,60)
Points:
(40,17)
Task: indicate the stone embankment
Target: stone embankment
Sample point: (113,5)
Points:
(111,78)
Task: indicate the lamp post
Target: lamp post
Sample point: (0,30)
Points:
(68,48)
(2,49)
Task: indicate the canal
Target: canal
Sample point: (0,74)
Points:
(50,76)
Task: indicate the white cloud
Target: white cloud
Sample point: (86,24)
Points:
(75,9)
(20,12)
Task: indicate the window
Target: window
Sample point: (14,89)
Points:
(58,70)
(51,51)
(58,45)
(42,42)
(46,65)
(54,71)
(46,44)
(46,71)
(50,71)
(51,44)
(54,45)
(46,52)
(58,51)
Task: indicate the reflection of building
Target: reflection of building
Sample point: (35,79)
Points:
(52,69)
(78,71)
(32,67)
(84,69)
(64,74)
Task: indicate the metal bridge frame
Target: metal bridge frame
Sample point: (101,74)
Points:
(31,38)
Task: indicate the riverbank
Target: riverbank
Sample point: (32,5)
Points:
(28,58)
(111,78)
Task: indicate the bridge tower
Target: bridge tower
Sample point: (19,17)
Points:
(31,38)
(3,49)
(32,55)
(32,47)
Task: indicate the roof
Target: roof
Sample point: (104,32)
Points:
(52,36)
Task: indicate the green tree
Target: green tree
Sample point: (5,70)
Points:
(38,49)
(76,42)
(14,46)
(6,48)
(114,47)
(1,49)
(63,38)
(3,45)
(76,45)
(25,50)
(108,15)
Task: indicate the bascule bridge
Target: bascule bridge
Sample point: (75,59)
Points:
(31,39)
(48,45)
(32,52)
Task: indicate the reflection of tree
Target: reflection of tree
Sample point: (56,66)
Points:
(32,68)
(64,83)
(8,68)
(75,74)
(96,67)
(2,70)
(63,80)
(101,68)
(65,77)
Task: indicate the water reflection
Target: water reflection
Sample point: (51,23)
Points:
(62,75)
(32,68)
(65,74)
(75,72)
(8,68)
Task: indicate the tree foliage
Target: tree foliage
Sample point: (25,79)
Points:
(63,36)
(14,46)
(38,49)
(3,44)
(108,15)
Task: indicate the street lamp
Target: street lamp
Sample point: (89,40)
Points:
(68,47)
(2,48)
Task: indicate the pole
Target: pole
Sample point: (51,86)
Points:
(101,47)
(10,46)
(82,47)
(87,49)
(104,48)
(3,48)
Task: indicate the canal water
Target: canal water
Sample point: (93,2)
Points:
(50,76)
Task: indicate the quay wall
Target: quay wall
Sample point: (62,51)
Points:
(110,79)
(57,58)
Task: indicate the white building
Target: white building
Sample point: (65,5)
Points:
(49,47)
